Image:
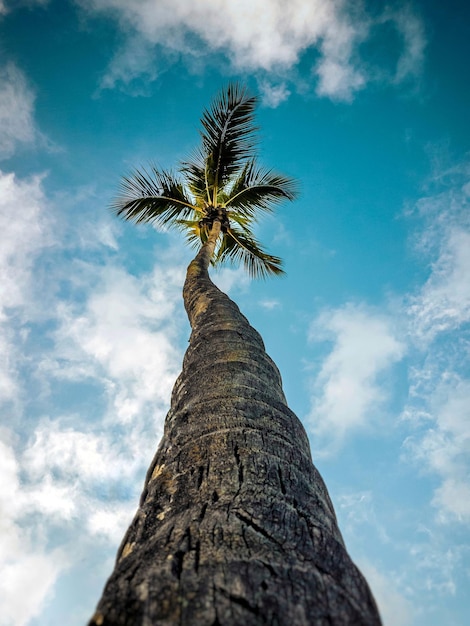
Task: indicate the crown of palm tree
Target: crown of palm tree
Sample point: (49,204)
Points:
(222,181)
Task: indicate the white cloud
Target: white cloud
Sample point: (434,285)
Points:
(270,304)
(8,385)
(444,301)
(439,316)
(111,521)
(395,609)
(453,498)
(75,455)
(256,34)
(58,497)
(337,74)
(436,567)
(272,95)
(23,235)
(424,565)
(33,571)
(24,564)
(337,79)
(349,389)
(363,523)
(77,472)
(411,29)
(358,510)
(228,279)
(71,475)
(434,323)
(122,336)
(10,5)
(264,36)
(16,110)
(99,326)
(444,448)
(134,58)
(25,560)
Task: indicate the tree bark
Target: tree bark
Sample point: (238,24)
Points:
(235,526)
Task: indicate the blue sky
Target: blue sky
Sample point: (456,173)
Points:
(367,105)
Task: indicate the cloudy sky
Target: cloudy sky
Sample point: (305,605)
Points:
(367,105)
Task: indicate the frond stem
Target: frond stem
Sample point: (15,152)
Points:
(242,192)
(174,200)
(230,231)
(221,141)
(207,183)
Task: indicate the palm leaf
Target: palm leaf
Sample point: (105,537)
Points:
(195,233)
(244,221)
(240,246)
(257,189)
(195,171)
(228,134)
(155,196)
(221,179)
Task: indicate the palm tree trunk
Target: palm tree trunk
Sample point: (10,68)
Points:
(235,526)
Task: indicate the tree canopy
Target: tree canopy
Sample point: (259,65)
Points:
(222,180)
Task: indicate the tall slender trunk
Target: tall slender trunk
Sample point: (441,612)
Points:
(235,526)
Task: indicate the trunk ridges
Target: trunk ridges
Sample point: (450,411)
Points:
(235,525)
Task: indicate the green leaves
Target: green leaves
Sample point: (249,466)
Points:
(154,196)
(228,140)
(259,189)
(239,246)
(221,180)
(228,134)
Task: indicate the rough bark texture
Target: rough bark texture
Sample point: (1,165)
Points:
(235,526)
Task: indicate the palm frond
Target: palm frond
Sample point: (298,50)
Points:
(195,171)
(195,233)
(244,221)
(221,180)
(155,196)
(228,133)
(240,246)
(257,189)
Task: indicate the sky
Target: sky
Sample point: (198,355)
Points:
(366,104)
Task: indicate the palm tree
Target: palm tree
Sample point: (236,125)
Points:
(222,192)
(235,525)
